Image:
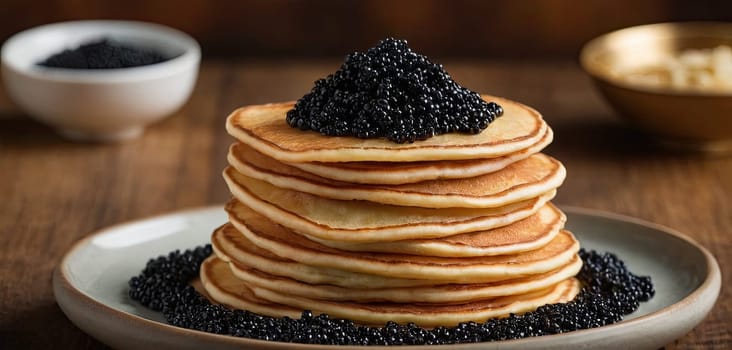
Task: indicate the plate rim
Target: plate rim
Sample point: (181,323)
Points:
(62,284)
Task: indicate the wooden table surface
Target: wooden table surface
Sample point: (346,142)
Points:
(55,192)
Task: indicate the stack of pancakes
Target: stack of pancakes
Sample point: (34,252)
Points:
(451,229)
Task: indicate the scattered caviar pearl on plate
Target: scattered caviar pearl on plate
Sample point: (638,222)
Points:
(609,292)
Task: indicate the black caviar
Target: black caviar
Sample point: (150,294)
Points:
(392,92)
(609,292)
(103,54)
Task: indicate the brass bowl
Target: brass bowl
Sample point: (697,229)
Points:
(697,120)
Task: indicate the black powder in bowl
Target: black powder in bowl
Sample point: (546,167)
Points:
(103,54)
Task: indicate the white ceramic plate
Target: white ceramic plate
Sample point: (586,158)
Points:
(90,285)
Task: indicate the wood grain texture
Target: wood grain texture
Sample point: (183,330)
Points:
(313,28)
(55,192)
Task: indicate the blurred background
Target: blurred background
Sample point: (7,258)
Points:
(496,29)
(255,51)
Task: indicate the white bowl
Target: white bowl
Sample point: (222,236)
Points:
(99,104)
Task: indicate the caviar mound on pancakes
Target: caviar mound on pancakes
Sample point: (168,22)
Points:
(391,92)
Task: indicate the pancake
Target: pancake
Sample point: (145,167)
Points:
(524,179)
(230,245)
(391,173)
(263,127)
(429,315)
(362,221)
(284,242)
(531,233)
(444,293)
(219,284)
(225,288)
